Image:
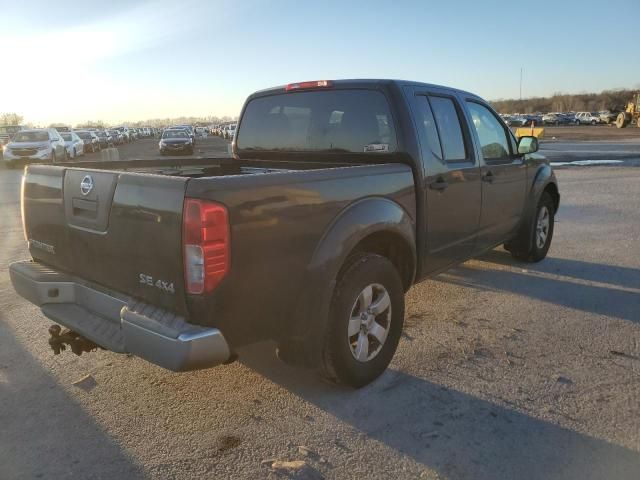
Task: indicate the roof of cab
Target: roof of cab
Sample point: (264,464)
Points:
(366,82)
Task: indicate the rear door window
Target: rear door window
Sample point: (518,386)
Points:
(353,121)
(427,129)
(449,128)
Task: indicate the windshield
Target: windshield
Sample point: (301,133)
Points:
(175,134)
(84,135)
(41,136)
(353,121)
(66,136)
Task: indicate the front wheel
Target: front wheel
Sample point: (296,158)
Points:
(365,321)
(53,156)
(542,231)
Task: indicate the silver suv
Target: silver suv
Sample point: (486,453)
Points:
(42,144)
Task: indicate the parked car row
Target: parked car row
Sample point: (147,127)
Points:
(62,143)
(561,118)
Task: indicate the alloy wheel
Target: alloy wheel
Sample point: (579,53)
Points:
(369,322)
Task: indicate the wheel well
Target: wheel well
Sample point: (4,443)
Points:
(395,248)
(552,190)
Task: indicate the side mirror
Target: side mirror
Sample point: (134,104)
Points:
(527,145)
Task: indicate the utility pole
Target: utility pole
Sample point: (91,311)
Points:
(520,83)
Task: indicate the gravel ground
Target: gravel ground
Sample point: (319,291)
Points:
(505,370)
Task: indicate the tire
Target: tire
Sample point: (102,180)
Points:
(621,120)
(74,154)
(53,156)
(593,122)
(539,247)
(365,282)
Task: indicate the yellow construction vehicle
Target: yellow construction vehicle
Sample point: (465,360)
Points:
(631,113)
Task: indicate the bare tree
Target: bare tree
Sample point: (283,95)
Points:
(10,119)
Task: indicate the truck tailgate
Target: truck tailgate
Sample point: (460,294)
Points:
(120,230)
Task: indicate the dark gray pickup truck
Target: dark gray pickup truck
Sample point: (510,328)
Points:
(340,195)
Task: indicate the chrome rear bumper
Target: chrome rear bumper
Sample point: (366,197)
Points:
(118,322)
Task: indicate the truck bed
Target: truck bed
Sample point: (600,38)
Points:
(125,235)
(209,167)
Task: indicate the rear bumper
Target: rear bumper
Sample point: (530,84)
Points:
(118,322)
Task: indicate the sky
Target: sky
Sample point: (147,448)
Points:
(125,60)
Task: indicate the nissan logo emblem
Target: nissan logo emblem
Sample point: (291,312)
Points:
(86,185)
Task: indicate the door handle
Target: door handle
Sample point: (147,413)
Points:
(488,177)
(439,184)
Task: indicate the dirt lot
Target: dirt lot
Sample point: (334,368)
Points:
(505,370)
(589,132)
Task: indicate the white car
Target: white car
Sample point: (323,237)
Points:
(587,118)
(127,134)
(202,131)
(37,144)
(74,144)
(229,131)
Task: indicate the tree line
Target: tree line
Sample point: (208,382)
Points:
(11,118)
(563,102)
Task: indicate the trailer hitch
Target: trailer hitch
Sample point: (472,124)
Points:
(61,338)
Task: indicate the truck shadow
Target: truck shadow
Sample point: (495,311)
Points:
(612,274)
(454,433)
(598,299)
(68,443)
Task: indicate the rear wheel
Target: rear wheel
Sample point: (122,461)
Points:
(365,321)
(593,122)
(542,231)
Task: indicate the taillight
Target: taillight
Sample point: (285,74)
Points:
(205,239)
(304,85)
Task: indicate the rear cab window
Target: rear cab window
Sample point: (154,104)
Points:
(344,120)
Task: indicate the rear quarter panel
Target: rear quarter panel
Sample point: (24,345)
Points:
(277,221)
